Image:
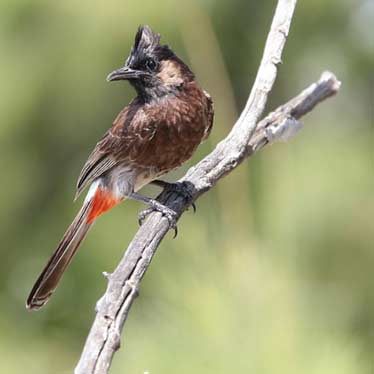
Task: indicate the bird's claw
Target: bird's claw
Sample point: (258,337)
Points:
(179,188)
(168,213)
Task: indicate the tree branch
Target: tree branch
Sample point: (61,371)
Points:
(246,137)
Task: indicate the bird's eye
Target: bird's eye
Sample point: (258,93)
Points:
(151,64)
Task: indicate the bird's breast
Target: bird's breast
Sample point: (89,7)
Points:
(169,131)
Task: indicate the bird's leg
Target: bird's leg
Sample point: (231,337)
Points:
(154,205)
(178,188)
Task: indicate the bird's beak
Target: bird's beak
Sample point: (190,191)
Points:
(123,73)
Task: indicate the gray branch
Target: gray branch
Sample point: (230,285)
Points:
(247,137)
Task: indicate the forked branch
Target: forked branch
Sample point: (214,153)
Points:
(247,136)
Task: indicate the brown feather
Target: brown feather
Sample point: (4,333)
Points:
(157,132)
(158,137)
(58,262)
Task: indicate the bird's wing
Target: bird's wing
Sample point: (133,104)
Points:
(103,157)
(125,141)
(99,161)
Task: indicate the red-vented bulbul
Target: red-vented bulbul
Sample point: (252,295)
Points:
(158,131)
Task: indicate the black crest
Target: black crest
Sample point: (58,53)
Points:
(146,39)
(147,44)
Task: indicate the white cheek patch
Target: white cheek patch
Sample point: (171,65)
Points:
(170,73)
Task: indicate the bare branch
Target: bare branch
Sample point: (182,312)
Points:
(282,124)
(244,139)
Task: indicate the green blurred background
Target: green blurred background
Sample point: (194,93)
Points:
(273,274)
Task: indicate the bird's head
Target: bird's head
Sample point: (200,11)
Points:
(153,69)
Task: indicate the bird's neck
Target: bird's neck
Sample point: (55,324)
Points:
(155,94)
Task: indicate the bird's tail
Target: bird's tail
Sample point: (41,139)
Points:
(99,202)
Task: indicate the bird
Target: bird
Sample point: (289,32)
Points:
(155,133)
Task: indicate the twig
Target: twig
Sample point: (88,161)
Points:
(123,284)
(283,123)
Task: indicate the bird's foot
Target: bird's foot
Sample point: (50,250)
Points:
(169,214)
(179,188)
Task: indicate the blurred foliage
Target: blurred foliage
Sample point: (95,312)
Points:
(274,272)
